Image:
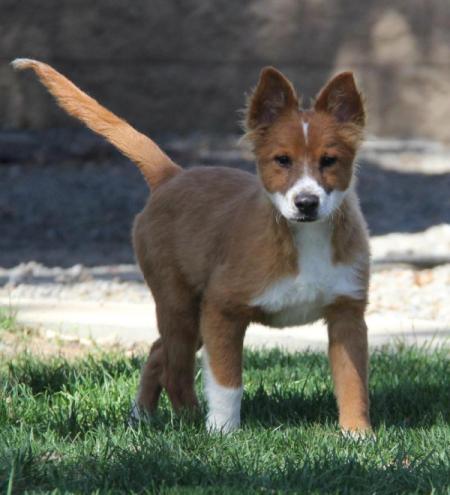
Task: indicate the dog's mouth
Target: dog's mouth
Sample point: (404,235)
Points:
(306,218)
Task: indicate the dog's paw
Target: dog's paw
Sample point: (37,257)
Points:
(356,427)
(219,424)
(358,435)
(137,414)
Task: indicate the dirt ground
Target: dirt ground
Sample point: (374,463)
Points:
(40,343)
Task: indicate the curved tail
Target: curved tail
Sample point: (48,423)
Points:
(155,165)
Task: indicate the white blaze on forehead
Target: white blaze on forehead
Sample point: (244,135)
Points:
(305,126)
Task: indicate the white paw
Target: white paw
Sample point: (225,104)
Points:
(224,403)
(216,423)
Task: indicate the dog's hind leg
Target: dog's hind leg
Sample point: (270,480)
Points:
(150,383)
(181,336)
(171,363)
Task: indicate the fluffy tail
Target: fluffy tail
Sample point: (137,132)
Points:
(154,164)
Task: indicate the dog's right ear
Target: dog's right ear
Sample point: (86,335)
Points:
(272,96)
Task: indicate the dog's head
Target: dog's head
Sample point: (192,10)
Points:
(305,157)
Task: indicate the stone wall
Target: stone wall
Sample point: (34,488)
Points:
(185,65)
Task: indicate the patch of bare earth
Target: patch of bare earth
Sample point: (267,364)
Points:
(43,343)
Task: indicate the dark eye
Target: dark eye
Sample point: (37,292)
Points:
(283,161)
(327,161)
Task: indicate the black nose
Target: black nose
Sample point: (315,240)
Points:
(307,204)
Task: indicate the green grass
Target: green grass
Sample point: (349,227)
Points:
(63,427)
(7,319)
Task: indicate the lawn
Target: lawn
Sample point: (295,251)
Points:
(63,427)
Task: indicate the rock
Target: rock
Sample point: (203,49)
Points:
(22,273)
(78,273)
(422,248)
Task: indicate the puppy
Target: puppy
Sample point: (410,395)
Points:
(220,248)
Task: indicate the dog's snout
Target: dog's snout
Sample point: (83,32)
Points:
(307,204)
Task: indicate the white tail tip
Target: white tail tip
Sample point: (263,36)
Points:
(23,63)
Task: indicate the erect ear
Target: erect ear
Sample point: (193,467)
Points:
(272,96)
(341,98)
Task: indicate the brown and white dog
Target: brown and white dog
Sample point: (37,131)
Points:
(220,248)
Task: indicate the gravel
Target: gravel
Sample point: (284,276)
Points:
(395,289)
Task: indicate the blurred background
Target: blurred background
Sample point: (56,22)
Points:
(178,67)
(180,71)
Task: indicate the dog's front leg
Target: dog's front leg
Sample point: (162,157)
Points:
(348,355)
(223,338)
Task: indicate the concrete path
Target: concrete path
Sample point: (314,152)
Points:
(131,323)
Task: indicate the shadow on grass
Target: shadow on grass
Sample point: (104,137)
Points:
(408,389)
(404,405)
(158,467)
(58,374)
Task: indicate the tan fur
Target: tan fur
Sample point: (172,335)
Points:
(209,240)
(154,164)
(348,354)
(350,235)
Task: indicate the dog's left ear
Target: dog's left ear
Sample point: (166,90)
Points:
(273,95)
(341,98)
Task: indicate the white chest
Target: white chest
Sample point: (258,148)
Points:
(301,298)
